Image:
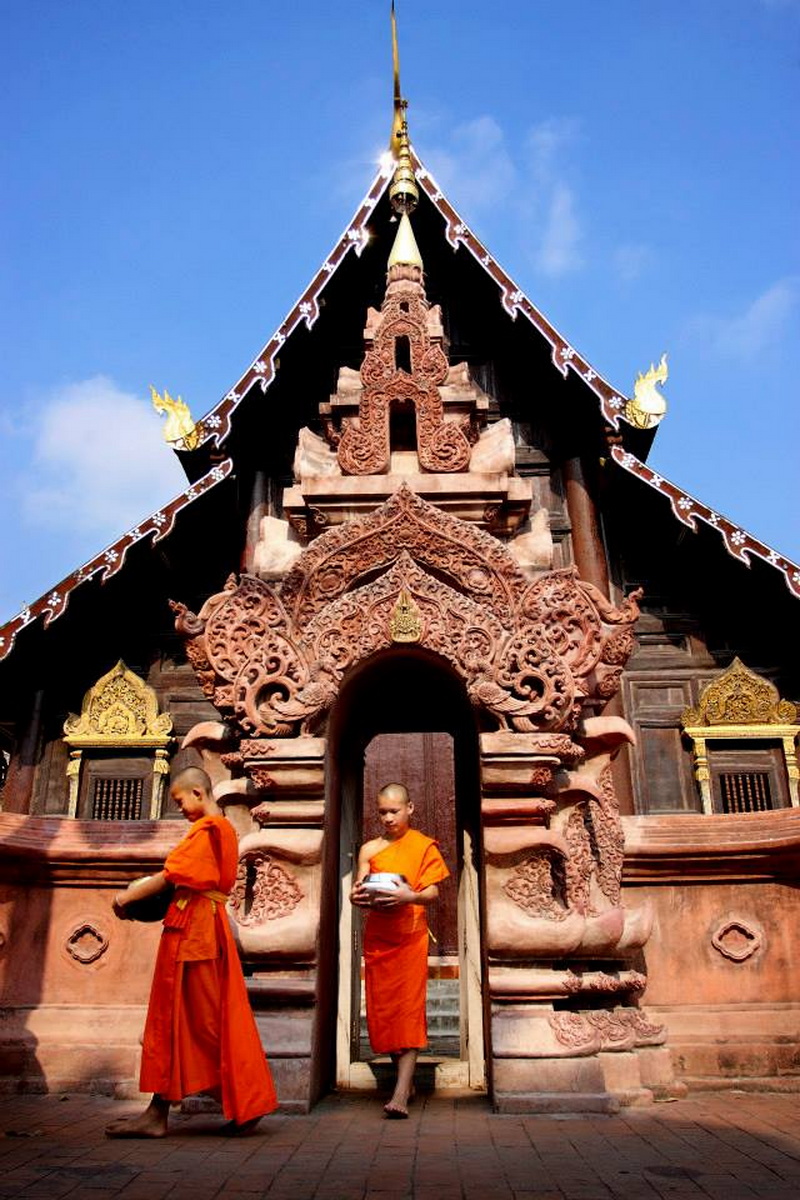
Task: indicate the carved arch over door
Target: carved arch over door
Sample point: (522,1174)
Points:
(532,654)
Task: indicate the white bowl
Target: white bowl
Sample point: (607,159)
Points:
(382,881)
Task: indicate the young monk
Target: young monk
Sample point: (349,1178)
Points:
(200,1035)
(396,938)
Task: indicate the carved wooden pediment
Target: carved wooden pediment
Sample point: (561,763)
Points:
(740,697)
(119,710)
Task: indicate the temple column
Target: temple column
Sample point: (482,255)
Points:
(589,555)
(566,1032)
(277,901)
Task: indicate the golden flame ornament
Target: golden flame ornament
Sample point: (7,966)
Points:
(179,428)
(648,406)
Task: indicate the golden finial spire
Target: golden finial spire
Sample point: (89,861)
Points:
(405,251)
(403,191)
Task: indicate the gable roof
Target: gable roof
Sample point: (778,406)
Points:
(216,424)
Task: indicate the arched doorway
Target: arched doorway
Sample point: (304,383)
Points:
(404,716)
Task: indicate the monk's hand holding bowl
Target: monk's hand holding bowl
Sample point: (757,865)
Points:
(360,896)
(396,897)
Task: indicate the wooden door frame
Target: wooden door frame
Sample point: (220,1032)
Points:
(344,808)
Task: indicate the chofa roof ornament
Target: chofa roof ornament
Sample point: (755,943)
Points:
(648,406)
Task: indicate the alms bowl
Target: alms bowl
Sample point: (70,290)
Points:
(151,908)
(382,881)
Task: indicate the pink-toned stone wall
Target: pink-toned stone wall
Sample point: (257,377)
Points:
(721,943)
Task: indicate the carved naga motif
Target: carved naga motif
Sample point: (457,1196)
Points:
(402,370)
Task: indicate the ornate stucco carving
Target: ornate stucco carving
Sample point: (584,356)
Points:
(531,655)
(275,892)
(536,888)
(392,380)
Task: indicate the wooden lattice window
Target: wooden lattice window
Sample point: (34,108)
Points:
(115,788)
(117,799)
(746,776)
(745,791)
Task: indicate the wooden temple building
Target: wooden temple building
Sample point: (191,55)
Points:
(420,541)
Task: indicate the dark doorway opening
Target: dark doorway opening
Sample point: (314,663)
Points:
(406,713)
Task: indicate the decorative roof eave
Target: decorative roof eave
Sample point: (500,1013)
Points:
(564,356)
(355,237)
(738,542)
(108,562)
(305,312)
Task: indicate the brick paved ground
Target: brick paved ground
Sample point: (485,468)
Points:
(729,1146)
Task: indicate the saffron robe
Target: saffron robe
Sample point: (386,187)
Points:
(396,948)
(200,1034)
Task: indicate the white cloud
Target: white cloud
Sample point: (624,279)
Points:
(477,171)
(630,260)
(763,323)
(99,462)
(554,209)
(547,142)
(558,251)
(530,184)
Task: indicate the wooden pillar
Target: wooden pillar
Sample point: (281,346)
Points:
(18,790)
(589,556)
(258,508)
(587,545)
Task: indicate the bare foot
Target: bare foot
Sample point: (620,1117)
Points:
(396,1109)
(240,1129)
(152,1123)
(149,1124)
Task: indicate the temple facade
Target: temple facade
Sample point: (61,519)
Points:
(420,542)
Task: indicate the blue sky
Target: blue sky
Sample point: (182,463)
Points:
(175,172)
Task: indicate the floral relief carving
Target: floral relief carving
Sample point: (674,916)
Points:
(608,841)
(390,383)
(572,1029)
(264,890)
(615,1029)
(536,888)
(579,864)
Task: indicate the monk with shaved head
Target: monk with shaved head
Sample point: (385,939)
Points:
(396,937)
(200,1035)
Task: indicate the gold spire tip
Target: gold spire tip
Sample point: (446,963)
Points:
(403,191)
(405,251)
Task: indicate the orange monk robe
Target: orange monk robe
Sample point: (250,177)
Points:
(396,949)
(200,1033)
